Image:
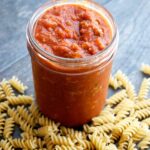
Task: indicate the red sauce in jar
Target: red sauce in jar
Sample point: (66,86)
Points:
(70,95)
(72,31)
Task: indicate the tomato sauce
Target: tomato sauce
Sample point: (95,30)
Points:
(69,94)
(72,31)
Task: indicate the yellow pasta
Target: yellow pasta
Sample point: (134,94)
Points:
(114,83)
(22,111)
(117,98)
(2,94)
(100,143)
(142,104)
(142,114)
(3,106)
(44,121)
(19,120)
(146,121)
(16,83)
(145,69)
(20,100)
(145,143)
(7,88)
(44,131)
(126,84)
(70,132)
(61,140)
(2,122)
(8,128)
(21,143)
(102,119)
(131,145)
(144,89)
(6,145)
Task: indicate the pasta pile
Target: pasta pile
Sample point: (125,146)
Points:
(122,125)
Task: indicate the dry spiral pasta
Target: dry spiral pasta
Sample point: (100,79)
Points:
(2,94)
(142,104)
(127,84)
(117,98)
(144,144)
(16,83)
(114,83)
(20,100)
(61,140)
(144,89)
(7,88)
(145,68)
(2,122)
(21,143)
(6,145)
(22,111)
(3,106)
(8,127)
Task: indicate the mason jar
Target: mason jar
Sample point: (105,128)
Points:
(71,90)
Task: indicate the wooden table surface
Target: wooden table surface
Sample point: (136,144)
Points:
(133,21)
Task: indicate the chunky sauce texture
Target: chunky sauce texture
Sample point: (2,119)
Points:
(72,31)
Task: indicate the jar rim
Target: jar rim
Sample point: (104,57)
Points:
(32,21)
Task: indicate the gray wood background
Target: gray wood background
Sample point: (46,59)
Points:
(133,19)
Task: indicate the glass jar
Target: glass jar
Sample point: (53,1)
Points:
(71,91)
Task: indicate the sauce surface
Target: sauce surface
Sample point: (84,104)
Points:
(72,31)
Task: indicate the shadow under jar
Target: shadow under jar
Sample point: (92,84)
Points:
(71,87)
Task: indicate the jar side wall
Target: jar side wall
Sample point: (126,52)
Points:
(60,95)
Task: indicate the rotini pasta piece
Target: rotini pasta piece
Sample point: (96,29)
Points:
(102,119)
(20,100)
(112,147)
(129,131)
(44,121)
(19,120)
(126,84)
(142,104)
(124,112)
(144,89)
(146,121)
(117,98)
(40,143)
(34,109)
(2,122)
(44,131)
(131,145)
(85,144)
(8,127)
(123,104)
(107,109)
(106,128)
(145,143)
(73,134)
(2,94)
(6,145)
(21,143)
(7,88)
(120,127)
(114,83)
(142,114)
(140,134)
(63,147)
(145,69)
(23,112)
(61,140)
(3,106)
(16,83)
(99,142)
